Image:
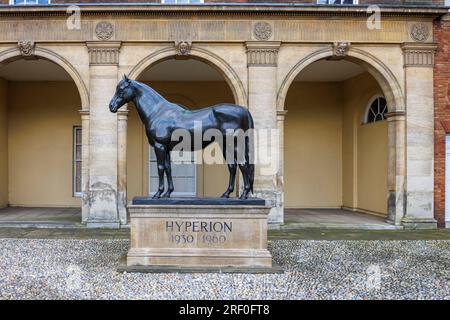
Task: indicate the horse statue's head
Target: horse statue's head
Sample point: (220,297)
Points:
(124,94)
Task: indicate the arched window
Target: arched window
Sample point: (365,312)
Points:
(376,110)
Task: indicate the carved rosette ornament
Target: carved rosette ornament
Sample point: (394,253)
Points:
(420,32)
(183,48)
(104,30)
(340,49)
(262,31)
(26,48)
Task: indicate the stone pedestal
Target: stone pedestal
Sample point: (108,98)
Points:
(198,235)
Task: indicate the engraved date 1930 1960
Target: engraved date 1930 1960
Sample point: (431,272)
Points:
(209,232)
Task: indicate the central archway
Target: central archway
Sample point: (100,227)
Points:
(202,55)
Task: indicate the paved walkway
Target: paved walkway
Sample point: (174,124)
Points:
(333,219)
(295,219)
(40,217)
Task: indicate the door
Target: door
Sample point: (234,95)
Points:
(184,173)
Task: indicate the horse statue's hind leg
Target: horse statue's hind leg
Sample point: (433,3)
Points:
(248,170)
(232,166)
(246,177)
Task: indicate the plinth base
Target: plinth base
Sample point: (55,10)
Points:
(198,237)
(123,267)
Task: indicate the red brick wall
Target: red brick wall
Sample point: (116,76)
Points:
(441,114)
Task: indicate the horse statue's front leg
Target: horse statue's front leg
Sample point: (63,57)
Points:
(160,160)
(168,168)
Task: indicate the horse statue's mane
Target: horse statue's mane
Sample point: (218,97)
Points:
(146,86)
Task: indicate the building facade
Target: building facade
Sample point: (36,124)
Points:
(349,91)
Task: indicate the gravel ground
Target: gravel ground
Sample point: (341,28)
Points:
(85,269)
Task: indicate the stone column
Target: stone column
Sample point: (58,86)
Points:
(84,165)
(419,62)
(262,59)
(122,118)
(103,152)
(396,166)
(281,115)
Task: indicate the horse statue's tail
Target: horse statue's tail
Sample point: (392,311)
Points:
(249,147)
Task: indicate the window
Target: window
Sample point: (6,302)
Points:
(28,2)
(337,1)
(376,110)
(184,173)
(182,1)
(77,161)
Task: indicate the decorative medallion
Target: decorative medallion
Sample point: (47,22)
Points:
(262,31)
(26,48)
(420,32)
(104,30)
(183,48)
(340,49)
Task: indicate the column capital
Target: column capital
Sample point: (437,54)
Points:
(281,114)
(103,52)
(262,53)
(395,115)
(419,54)
(84,113)
(122,114)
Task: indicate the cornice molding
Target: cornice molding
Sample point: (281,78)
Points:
(224,9)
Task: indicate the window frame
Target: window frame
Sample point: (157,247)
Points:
(355,2)
(11,2)
(164,2)
(366,111)
(75,193)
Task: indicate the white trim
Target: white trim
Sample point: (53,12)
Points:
(175,193)
(371,100)
(74,161)
(447,181)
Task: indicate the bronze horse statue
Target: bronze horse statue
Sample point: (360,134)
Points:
(161,118)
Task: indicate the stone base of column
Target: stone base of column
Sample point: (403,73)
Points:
(274,200)
(103,224)
(411,222)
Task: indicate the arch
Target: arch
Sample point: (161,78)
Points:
(203,55)
(384,76)
(14,54)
